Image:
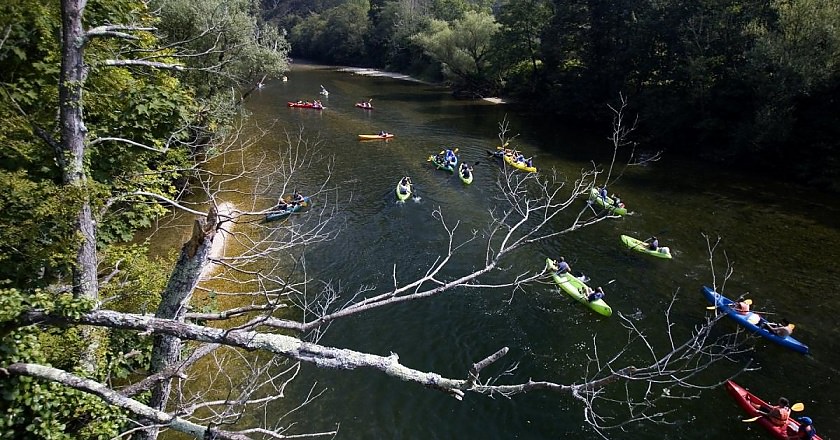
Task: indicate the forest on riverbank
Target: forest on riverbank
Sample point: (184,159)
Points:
(110,111)
(747,84)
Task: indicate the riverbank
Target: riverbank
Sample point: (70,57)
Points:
(384,74)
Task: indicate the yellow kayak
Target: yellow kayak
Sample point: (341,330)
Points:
(508,155)
(376,136)
(519,165)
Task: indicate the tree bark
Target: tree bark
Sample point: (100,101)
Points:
(174,304)
(73,134)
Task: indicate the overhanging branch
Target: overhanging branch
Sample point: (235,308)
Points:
(117,399)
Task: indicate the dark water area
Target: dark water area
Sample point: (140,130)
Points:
(782,241)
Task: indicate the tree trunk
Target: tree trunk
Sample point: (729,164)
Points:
(174,305)
(73,133)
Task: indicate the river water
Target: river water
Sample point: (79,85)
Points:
(782,240)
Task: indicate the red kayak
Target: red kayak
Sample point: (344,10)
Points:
(746,400)
(305,104)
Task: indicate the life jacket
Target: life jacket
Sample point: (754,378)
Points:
(741,307)
(779,416)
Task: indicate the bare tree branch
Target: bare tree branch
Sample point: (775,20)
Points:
(117,31)
(144,63)
(126,141)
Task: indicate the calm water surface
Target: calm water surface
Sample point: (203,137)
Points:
(783,243)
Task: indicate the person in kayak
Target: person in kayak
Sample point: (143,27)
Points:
(562,266)
(617,201)
(596,294)
(603,193)
(405,185)
(449,156)
(806,429)
(282,204)
(742,307)
(782,330)
(465,169)
(778,414)
(654,245)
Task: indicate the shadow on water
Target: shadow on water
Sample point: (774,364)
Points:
(782,245)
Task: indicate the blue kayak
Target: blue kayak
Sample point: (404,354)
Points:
(277,215)
(752,321)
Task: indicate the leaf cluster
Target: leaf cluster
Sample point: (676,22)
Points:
(47,410)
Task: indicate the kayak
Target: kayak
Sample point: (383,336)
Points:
(574,286)
(364,105)
(641,246)
(303,104)
(508,155)
(277,215)
(466,176)
(403,192)
(522,166)
(752,321)
(745,399)
(366,137)
(608,204)
(445,165)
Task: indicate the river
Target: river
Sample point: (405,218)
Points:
(782,240)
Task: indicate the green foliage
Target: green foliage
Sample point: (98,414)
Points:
(33,408)
(139,280)
(337,34)
(151,108)
(389,42)
(229,47)
(518,42)
(453,10)
(803,45)
(37,240)
(463,47)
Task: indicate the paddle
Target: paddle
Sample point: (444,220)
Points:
(746,301)
(799,406)
(645,242)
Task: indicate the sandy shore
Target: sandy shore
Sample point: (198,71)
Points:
(380,73)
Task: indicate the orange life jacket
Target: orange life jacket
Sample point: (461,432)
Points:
(779,415)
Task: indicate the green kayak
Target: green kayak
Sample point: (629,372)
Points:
(574,287)
(606,203)
(641,246)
